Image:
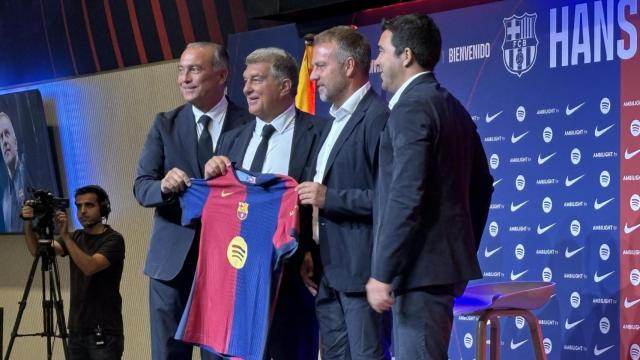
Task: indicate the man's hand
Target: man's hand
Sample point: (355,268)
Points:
(216,166)
(379,295)
(62,222)
(26,213)
(306,272)
(312,193)
(175,181)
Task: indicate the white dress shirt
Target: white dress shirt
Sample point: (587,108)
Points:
(342,116)
(279,150)
(398,93)
(217,115)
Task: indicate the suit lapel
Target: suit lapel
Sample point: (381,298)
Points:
(189,139)
(354,120)
(300,145)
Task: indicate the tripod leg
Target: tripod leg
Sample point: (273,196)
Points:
(22,305)
(47,309)
(59,308)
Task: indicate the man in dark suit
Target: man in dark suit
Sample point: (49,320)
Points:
(432,196)
(178,145)
(280,140)
(341,193)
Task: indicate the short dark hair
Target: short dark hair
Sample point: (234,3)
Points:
(101,196)
(419,33)
(349,43)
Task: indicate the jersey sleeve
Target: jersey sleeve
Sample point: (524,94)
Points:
(285,238)
(192,201)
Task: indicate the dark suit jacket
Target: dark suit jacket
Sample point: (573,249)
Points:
(434,190)
(345,222)
(171,142)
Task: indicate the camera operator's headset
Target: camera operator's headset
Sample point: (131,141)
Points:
(103,198)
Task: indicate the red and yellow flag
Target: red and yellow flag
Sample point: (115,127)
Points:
(306,95)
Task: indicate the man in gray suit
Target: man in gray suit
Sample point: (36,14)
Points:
(341,192)
(178,145)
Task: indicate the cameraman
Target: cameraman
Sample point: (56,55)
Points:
(97,254)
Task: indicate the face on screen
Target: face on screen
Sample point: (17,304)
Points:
(8,141)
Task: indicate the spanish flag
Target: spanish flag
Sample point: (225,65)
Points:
(306,95)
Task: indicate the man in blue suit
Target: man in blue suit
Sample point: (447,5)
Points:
(270,82)
(178,145)
(341,193)
(432,196)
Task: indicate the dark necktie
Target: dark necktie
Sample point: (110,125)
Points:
(261,152)
(205,144)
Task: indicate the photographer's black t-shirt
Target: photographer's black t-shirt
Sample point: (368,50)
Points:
(95,299)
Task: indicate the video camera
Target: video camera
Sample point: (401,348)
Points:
(45,203)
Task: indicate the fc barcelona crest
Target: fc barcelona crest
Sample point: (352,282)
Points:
(520,45)
(243,210)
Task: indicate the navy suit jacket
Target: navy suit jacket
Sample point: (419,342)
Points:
(434,191)
(172,142)
(345,222)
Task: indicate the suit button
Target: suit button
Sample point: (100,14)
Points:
(321,224)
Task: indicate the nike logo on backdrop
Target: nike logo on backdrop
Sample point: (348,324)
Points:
(599,133)
(569,182)
(542,160)
(598,352)
(516,345)
(496,182)
(597,278)
(489,118)
(569,326)
(515,139)
(571,110)
(569,254)
(598,205)
(628,155)
(628,304)
(517,276)
(629,229)
(542,230)
(515,208)
(488,253)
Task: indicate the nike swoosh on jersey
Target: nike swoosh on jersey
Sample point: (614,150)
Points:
(570,110)
(515,208)
(569,326)
(598,352)
(514,346)
(226,193)
(628,304)
(488,253)
(542,160)
(489,118)
(598,205)
(597,278)
(569,254)
(629,229)
(517,276)
(542,230)
(515,139)
(599,133)
(569,182)
(628,155)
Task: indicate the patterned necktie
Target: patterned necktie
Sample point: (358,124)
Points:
(205,144)
(261,152)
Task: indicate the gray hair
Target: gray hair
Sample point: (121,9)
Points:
(220,56)
(349,43)
(283,65)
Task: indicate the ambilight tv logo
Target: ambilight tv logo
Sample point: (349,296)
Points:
(520,45)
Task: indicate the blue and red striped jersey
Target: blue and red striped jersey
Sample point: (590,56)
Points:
(249,226)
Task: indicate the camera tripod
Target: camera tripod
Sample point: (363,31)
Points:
(51,298)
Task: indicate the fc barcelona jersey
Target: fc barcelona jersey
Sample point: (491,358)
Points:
(249,225)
